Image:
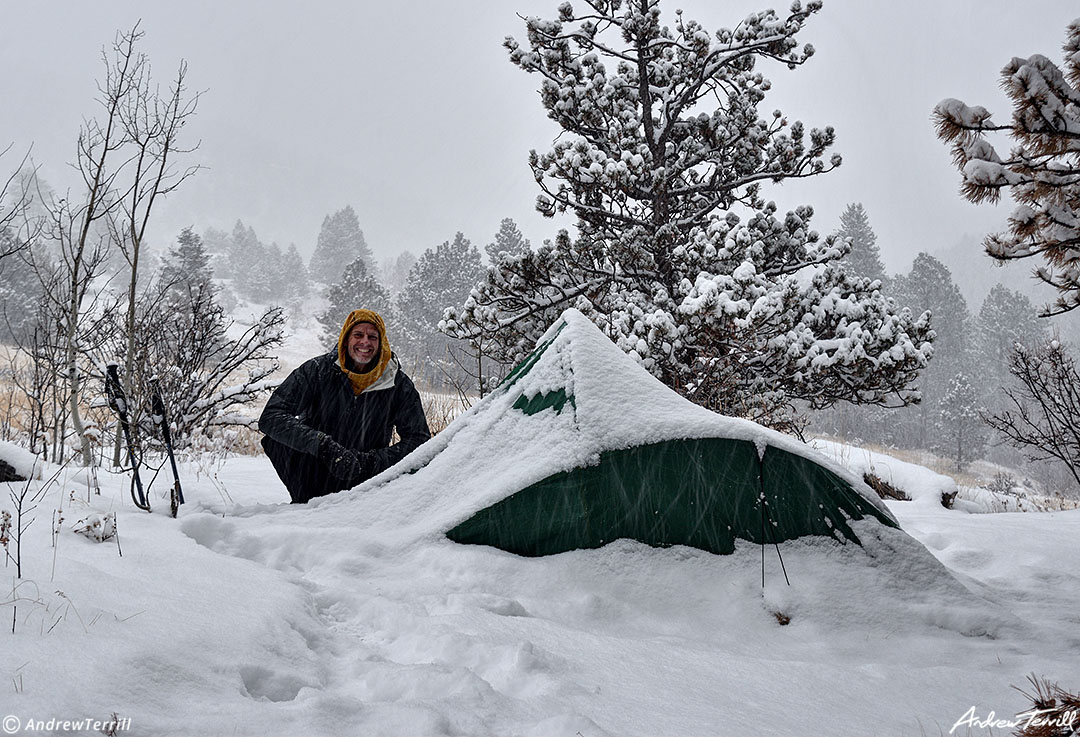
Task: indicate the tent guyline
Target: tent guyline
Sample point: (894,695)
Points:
(764,503)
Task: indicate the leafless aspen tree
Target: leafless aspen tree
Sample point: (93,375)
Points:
(125,158)
(152,125)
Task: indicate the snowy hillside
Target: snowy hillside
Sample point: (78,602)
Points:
(252,617)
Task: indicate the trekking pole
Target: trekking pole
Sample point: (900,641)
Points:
(176,495)
(118,403)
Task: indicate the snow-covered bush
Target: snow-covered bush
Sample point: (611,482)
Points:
(97,527)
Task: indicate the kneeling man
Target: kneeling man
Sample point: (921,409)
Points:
(328,426)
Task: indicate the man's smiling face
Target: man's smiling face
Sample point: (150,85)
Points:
(363,345)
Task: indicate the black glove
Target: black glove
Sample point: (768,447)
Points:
(351,466)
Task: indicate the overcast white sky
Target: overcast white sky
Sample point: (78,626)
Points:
(410,112)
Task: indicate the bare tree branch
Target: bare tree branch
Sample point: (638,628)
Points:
(1044,419)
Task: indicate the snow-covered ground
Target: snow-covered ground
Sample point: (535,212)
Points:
(248,616)
(253,617)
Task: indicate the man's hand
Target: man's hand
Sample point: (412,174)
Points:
(351,466)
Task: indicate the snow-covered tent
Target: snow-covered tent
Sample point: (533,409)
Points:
(580,446)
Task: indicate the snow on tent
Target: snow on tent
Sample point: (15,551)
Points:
(580,446)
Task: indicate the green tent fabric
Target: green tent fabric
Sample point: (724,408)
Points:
(703,492)
(580,446)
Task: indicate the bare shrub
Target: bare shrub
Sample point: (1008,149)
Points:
(884,489)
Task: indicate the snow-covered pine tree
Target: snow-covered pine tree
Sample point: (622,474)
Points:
(258,271)
(244,251)
(508,240)
(1040,171)
(964,432)
(929,287)
(340,242)
(845,420)
(865,256)
(187,264)
(395,271)
(1006,318)
(266,276)
(294,282)
(185,281)
(441,277)
(216,243)
(20,293)
(678,257)
(356,289)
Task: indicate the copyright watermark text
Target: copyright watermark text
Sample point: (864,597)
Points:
(12,724)
(1069,720)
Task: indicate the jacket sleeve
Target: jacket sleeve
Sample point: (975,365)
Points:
(282,418)
(411,424)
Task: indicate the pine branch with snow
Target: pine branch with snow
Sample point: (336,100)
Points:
(1041,172)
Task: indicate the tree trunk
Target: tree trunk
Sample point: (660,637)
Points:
(74,389)
(129,358)
(71,361)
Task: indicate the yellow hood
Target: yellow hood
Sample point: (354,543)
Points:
(360,382)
